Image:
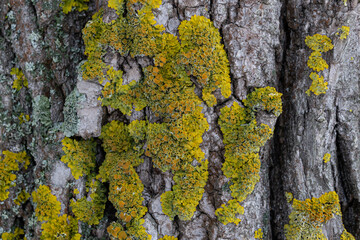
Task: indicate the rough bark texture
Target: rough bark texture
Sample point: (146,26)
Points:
(264,41)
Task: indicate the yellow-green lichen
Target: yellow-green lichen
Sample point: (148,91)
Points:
(47,205)
(90,209)
(346,236)
(326,157)
(64,227)
(79,5)
(318,86)
(168,238)
(125,190)
(344,32)
(308,216)
(17,235)
(227,213)
(79,156)
(289,196)
(258,234)
(20,80)
(24,118)
(22,197)
(318,43)
(10,163)
(243,137)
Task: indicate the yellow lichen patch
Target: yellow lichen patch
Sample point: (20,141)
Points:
(258,234)
(125,190)
(20,80)
(23,118)
(228,213)
(326,157)
(22,197)
(10,163)
(308,216)
(267,99)
(318,86)
(79,5)
(346,236)
(344,32)
(168,238)
(204,57)
(17,235)
(64,227)
(79,156)
(90,209)
(289,196)
(243,138)
(47,205)
(319,43)
(316,62)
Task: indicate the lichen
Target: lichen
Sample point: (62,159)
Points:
(319,44)
(47,205)
(308,216)
(22,197)
(20,80)
(243,138)
(168,238)
(17,235)
(79,156)
(258,234)
(326,157)
(71,120)
(289,196)
(91,209)
(41,111)
(344,32)
(10,163)
(125,190)
(228,213)
(318,86)
(79,5)
(346,235)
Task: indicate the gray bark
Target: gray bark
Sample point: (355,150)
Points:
(264,41)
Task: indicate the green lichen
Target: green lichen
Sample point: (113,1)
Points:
(71,121)
(17,235)
(229,213)
(41,111)
(22,197)
(308,216)
(10,163)
(79,156)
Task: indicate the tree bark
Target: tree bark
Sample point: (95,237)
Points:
(265,44)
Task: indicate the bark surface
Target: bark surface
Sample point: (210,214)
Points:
(265,44)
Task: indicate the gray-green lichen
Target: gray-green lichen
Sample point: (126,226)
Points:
(41,111)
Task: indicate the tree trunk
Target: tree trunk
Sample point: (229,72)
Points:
(265,45)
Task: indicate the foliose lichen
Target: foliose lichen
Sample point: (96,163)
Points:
(20,80)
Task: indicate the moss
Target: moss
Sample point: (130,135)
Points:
(47,205)
(10,163)
(326,157)
(64,227)
(20,80)
(243,138)
(79,156)
(91,209)
(79,5)
(258,234)
(17,235)
(308,216)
